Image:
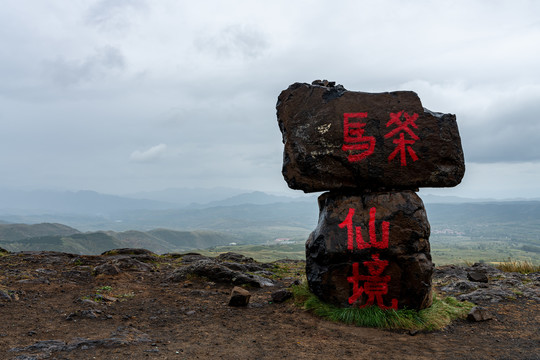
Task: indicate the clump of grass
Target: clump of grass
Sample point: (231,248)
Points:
(292,269)
(523,267)
(105,288)
(125,296)
(439,315)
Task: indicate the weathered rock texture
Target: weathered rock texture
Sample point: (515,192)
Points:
(319,156)
(330,259)
(218,272)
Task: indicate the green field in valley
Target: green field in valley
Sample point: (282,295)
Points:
(444,250)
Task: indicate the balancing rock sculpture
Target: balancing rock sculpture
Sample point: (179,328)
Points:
(371,152)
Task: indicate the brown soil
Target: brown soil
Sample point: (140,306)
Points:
(149,317)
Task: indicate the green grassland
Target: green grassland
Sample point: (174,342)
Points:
(262,253)
(467,249)
(444,250)
(468,232)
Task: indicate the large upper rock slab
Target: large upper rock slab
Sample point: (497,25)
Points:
(337,139)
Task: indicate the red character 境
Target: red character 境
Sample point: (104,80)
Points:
(375,285)
(354,139)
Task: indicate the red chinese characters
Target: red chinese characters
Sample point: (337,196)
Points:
(359,146)
(402,146)
(375,284)
(354,139)
(353,231)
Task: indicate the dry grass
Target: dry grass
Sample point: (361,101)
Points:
(523,267)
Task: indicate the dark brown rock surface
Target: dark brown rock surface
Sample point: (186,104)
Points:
(404,259)
(189,320)
(325,151)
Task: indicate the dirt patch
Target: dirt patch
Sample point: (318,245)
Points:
(54,306)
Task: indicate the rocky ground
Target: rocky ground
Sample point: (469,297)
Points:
(136,305)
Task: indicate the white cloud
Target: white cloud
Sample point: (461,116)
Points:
(150,155)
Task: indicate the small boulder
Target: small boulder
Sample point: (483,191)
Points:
(478,314)
(105,298)
(477,276)
(4,296)
(107,269)
(130,264)
(242,267)
(281,296)
(492,295)
(234,257)
(239,297)
(215,272)
(488,269)
(193,257)
(460,286)
(128,251)
(89,314)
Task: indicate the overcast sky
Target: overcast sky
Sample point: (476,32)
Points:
(121,96)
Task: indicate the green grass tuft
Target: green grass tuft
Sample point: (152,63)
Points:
(105,288)
(439,315)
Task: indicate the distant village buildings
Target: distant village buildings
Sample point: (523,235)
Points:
(447,232)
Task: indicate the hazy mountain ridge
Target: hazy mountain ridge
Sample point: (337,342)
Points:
(486,211)
(87,243)
(14,232)
(188,196)
(68,202)
(91,203)
(254,198)
(258,218)
(158,240)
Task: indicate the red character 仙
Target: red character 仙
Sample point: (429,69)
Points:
(355,232)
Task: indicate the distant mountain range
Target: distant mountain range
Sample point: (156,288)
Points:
(188,196)
(67,202)
(15,232)
(57,237)
(255,198)
(94,221)
(91,203)
(84,202)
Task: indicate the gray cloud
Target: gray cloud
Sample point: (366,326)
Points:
(497,123)
(83,87)
(234,40)
(113,15)
(508,134)
(103,62)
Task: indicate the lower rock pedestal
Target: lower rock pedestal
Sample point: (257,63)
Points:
(371,249)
